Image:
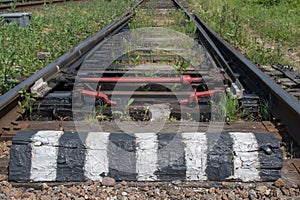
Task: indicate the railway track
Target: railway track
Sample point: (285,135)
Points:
(21,5)
(285,76)
(165,88)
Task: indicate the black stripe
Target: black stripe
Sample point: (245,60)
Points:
(20,156)
(219,156)
(171,157)
(270,156)
(122,156)
(70,160)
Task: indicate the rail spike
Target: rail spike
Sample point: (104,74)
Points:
(65,156)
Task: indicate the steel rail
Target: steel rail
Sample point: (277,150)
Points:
(284,106)
(209,44)
(19,4)
(10,98)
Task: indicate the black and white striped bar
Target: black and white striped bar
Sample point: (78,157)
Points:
(64,156)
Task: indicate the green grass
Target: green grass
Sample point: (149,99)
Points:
(276,20)
(55,29)
(183,24)
(142,20)
(229,108)
(262,29)
(175,20)
(265,110)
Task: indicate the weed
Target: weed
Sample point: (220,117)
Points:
(124,114)
(90,119)
(240,22)
(134,60)
(13,6)
(189,117)
(289,150)
(264,2)
(173,119)
(8,70)
(232,108)
(61,119)
(183,24)
(100,116)
(97,114)
(265,110)
(229,108)
(26,105)
(141,20)
(181,65)
(146,113)
(257,53)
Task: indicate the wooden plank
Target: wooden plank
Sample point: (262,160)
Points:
(7,121)
(290,174)
(270,127)
(169,127)
(13,129)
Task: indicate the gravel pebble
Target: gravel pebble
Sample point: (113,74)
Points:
(261,189)
(109,189)
(285,191)
(279,183)
(91,190)
(107,181)
(252,194)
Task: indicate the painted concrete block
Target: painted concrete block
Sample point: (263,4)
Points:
(22,18)
(199,156)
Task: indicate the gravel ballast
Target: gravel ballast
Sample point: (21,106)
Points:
(135,190)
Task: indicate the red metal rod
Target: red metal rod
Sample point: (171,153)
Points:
(184,79)
(196,96)
(98,95)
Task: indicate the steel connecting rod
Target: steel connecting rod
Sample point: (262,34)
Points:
(184,79)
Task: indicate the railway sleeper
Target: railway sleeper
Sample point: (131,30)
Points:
(250,104)
(192,156)
(59,105)
(193,108)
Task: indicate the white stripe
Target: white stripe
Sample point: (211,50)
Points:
(44,151)
(246,161)
(195,155)
(146,156)
(96,156)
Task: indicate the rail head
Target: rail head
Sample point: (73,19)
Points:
(284,106)
(206,41)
